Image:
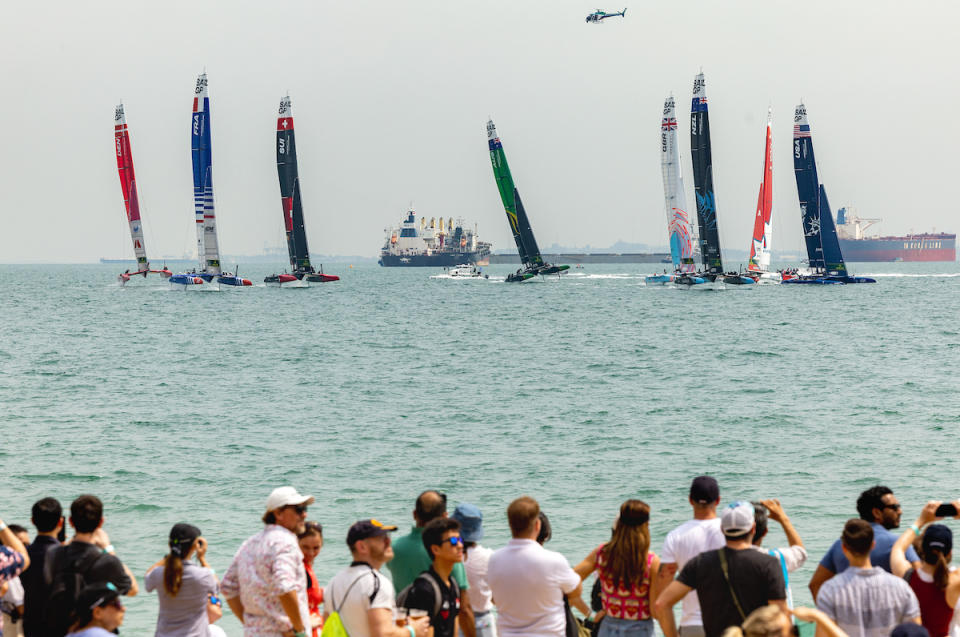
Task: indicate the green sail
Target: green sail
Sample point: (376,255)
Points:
(501,171)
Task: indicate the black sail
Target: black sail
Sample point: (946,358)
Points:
(530,255)
(700,153)
(290,190)
(808,188)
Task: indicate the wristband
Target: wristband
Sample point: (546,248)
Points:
(109,549)
(299,633)
(413,633)
(915,529)
(3,525)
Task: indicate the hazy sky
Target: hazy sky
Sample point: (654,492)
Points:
(390,100)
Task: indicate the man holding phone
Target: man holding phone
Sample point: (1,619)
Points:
(881,509)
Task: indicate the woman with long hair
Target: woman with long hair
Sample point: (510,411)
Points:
(771,621)
(937,587)
(184,588)
(626,568)
(311,541)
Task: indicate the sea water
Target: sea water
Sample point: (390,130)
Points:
(584,390)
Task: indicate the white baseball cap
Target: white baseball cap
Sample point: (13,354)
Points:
(737,518)
(285,496)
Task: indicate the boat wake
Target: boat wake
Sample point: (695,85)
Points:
(904,275)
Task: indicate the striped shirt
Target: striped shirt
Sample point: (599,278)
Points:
(867,602)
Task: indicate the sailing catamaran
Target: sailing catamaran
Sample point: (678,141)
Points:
(531,262)
(208,248)
(759,265)
(128,184)
(292,207)
(820,233)
(701,154)
(678,222)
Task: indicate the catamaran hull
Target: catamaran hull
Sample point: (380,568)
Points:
(235,281)
(519,277)
(319,277)
(658,279)
(185,279)
(737,280)
(279,279)
(830,280)
(552,269)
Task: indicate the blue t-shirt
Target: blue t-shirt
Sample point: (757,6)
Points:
(836,562)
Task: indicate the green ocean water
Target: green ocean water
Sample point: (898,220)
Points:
(191,405)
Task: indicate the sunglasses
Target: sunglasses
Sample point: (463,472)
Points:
(299,508)
(895,507)
(115,603)
(215,600)
(455,540)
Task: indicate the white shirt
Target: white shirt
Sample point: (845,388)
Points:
(528,584)
(476,562)
(685,542)
(793,556)
(353,603)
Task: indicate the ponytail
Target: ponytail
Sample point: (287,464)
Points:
(941,571)
(172,574)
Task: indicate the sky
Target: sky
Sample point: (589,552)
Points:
(390,101)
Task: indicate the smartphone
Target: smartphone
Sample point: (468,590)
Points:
(946,511)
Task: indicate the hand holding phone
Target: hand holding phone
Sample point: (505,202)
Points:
(946,511)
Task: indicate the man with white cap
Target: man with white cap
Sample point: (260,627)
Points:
(731,582)
(265,584)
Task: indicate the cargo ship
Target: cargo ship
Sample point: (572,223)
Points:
(856,246)
(434,243)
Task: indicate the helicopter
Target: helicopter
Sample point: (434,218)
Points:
(599,15)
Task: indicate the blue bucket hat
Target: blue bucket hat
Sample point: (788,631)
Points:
(471,522)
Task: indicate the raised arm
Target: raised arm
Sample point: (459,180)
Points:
(826,627)
(777,513)
(899,564)
(11,541)
(588,565)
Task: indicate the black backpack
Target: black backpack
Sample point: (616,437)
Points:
(65,586)
(437,593)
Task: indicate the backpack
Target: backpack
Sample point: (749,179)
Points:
(333,625)
(437,593)
(68,580)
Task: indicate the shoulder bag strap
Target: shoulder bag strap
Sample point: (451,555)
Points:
(337,607)
(786,576)
(726,576)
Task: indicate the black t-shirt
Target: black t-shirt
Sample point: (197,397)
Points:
(755,577)
(422,596)
(35,588)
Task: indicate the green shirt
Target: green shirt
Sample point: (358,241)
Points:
(410,558)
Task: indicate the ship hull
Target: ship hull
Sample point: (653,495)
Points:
(437,259)
(925,247)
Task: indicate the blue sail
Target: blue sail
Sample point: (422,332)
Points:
(832,258)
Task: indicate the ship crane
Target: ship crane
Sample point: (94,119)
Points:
(847,218)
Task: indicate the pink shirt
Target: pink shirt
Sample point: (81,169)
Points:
(267,565)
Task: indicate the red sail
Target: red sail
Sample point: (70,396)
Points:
(760,245)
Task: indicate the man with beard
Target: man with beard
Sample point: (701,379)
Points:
(881,509)
(268,562)
(362,598)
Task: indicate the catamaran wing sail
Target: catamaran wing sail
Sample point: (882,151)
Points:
(832,258)
(701,154)
(762,229)
(128,183)
(290,190)
(808,187)
(533,258)
(208,249)
(501,172)
(675,200)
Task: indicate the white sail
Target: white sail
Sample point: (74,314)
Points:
(675,201)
